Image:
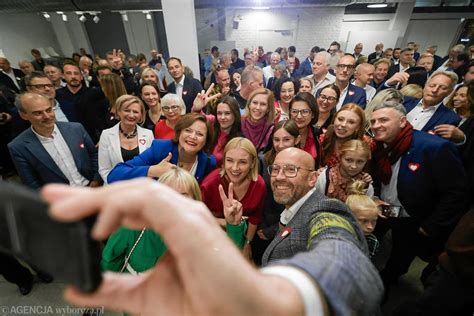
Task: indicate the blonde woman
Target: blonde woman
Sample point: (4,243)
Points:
(239,184)
(126,139)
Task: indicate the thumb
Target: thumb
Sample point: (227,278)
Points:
(168,158)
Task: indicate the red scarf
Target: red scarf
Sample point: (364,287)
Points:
(389,155)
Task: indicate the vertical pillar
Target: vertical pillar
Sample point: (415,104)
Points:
(401,19)
(180,25)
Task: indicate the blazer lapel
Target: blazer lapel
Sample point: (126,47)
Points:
(75,144)
(433,121)
(39,152)
(142,140)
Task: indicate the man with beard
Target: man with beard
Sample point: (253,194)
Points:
(70,96)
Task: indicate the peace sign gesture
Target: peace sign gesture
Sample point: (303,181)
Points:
(203,98)
(232,208)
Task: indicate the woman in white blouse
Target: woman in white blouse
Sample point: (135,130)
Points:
(126,139)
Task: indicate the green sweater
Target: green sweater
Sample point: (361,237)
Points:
(150,247)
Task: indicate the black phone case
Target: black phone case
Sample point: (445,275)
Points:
(64,250)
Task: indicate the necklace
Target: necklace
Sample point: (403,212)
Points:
(129,135)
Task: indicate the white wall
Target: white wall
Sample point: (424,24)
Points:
(320,26)
(19,33)
(140,33)
(303,27)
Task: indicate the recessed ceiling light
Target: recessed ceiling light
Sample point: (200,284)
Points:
(377,5)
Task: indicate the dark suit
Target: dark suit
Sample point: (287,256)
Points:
(355,95)
(7,81)
(305,69)
(443,115)
(432,188)
(324,240)
(373,56)
(36,167)
(393,70)
(191,87)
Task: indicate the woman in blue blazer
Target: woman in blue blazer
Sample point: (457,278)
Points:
(188,150)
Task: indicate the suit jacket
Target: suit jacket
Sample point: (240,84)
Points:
(305,69)
(36,167)
(191,87)
(324,240)
(110,152)
(432,184)
(138,166)
(393,70)
(7,81)
(355,95)
(443,115)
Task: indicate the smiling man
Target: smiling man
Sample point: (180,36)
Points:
(50,151)
(349,92)
(427,113)
(186,87)
(423,175)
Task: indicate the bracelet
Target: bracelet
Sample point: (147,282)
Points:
(247,242)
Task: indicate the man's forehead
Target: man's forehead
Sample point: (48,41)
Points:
(347,60)
(441,78)
(385,112)
(40,80)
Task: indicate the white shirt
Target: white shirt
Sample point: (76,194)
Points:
(389,192)
(61,154)
(179,87)
(341,98)
(268,72)
(58,112)
(403,68)
(288,213)
(369,91)
(328,79)
(11,74)
(418,116)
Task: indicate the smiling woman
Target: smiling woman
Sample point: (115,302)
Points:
(188,150)
(240,167)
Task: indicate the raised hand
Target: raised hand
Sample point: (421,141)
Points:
(157,170)
(116,59)
(203,98)
(232,208)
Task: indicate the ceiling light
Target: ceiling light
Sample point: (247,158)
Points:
(64,17)
(96,19)
(124,16)
(60,12)
(148,16)
(377,5)
(47,16)
(82,18)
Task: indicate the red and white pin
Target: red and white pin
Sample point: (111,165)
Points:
(351,93)
(185,92)
(413,166)
(82,146)
(142,141)
(286,232)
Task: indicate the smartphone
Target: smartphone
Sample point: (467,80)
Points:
(390,210)
(64,250)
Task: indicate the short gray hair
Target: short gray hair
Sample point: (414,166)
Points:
(249,74)
(391,104)
(275,54)
(454,77)
(19,100)
(35,74)
(326,55)
(172,99)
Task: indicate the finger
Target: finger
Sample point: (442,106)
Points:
(231,191)
(168,158)
(222,194)
(116,292)
(55,192)
(215,96)
(209,89)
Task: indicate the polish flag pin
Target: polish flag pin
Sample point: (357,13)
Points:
(286,232)
(142,141)
(82,146)
(351,93)
(413,166)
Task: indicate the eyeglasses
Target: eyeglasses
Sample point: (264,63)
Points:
(41,86)
(173,108)
(342,66)
(326,98)
(289,171)
(304,112)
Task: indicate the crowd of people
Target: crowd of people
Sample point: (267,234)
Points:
(305,165)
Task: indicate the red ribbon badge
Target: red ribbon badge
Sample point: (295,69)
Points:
(82,146)
(142,141)
(351,93)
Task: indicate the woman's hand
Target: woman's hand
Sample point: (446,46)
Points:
(367,178)
(232,208)
(157,170)
(203,98)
